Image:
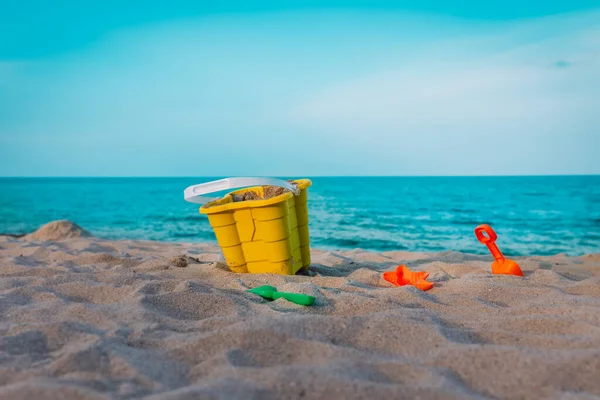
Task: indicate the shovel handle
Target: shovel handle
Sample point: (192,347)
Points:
(302,299)
(489,240)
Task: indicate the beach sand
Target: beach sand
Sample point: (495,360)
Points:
(85,318)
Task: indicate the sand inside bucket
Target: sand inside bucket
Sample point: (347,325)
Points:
(269,192)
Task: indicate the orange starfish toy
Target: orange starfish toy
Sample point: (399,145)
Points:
(404,276)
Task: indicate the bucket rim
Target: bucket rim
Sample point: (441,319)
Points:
(230,205)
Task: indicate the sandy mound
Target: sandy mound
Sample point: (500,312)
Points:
(98,319)
(58,230)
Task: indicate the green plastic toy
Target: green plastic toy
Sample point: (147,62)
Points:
(271,293)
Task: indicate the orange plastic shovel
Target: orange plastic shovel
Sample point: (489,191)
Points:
(404,276)
(501,265)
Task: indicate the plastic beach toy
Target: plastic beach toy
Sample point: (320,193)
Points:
(501,265)
(404,276)
(271,293)
(266,235)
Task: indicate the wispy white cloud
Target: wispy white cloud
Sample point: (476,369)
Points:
(458,115)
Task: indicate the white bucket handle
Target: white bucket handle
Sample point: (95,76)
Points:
(193,194)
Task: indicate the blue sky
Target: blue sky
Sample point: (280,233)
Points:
(310,88)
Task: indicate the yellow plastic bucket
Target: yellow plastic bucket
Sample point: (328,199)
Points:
(265,236)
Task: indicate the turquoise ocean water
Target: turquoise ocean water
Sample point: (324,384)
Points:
(532,215)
